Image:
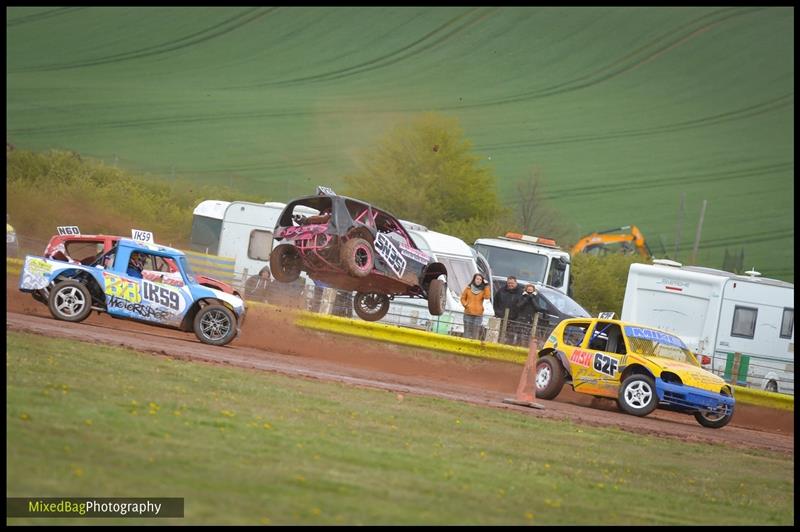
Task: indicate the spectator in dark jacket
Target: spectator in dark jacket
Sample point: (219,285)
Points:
(527,306)
(506,299)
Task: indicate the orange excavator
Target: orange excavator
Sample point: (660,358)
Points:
(614,241)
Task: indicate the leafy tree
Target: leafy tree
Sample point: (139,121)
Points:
(598,281)
(424,171)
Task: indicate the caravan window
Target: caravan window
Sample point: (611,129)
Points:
(744,322)
(260,245)
(787,324)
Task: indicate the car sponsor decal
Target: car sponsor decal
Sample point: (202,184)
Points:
(552,339)
(415,254)
(387,250)
(605,364)
(139,310)
(655,336)
(35,274)
(121,288)
(581,358)
(68,230)
(163,296)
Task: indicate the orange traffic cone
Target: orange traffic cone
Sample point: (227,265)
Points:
(526,389)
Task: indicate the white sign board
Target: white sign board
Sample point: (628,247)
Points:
(142,236)
(68,230)
(606,316)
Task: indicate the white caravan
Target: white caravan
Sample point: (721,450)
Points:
(719,314)
(528,258)
(461,263)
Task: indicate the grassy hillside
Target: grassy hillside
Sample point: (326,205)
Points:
(623,109)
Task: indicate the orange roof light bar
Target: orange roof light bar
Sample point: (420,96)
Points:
(532,239)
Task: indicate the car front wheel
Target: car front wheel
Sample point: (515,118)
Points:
(215,324)
(637,395)
(70,301)
(436,297)
(714,420)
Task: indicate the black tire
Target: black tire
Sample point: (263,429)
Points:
(772,386)
(637,395)
(358,257)
(215,324)
(549,377)
(437,297)
(286,263)
(70,301)
(370,306)
(714,420)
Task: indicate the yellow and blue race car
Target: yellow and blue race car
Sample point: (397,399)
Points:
(641,367)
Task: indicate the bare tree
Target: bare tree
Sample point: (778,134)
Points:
(534,215)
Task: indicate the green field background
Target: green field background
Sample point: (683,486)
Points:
(622,110)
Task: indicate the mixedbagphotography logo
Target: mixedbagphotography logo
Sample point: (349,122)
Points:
(94,507)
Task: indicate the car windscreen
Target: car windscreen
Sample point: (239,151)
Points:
(564,303)
(526,267)
(459,273)
(650,342)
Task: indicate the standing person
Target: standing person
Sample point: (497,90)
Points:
(472,298)
(527,307)
(506,298)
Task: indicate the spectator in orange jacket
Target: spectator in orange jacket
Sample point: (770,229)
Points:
(472,298)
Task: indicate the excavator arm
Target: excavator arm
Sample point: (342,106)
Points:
(613,241)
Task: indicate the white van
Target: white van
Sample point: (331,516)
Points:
(462,263)
(528,258)
(719,314)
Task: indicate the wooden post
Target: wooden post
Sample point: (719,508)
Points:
(503,326)
(493,330)
(735,368)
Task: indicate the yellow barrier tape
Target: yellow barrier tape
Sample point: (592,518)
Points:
(762,398)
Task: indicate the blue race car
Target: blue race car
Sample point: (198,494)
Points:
(133,281)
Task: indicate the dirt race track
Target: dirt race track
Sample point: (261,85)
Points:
(271,342)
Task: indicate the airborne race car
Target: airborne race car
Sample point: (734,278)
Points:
(354,246)
(641,367)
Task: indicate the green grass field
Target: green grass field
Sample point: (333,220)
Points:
(622,109)
(246,447)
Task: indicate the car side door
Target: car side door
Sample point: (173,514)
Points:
(604,357)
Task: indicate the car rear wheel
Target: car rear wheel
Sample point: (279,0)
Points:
(549,377)
(357,256)
(286,263)
(215,324)
(714,420)
(371,306)
(437,292)
(637,395)
(70,301)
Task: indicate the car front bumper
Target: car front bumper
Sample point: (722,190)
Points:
(691,399)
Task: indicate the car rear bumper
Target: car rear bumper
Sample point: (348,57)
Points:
(691,399)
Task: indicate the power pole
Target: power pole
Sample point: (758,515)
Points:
(697,235)
(679,227)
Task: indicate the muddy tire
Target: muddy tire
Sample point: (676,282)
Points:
(637,395)
(358,257)
(713,420)
(437,297)
(370,306)
(549,377)
(70,301)
(215,324)
(286,263)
